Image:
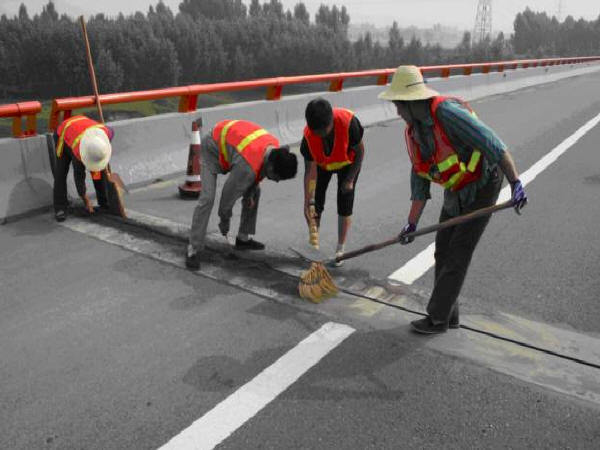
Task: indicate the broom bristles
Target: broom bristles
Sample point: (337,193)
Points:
(316,284)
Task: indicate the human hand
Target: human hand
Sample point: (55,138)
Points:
(408,228)
(519,198)
(224,227)
(88,204)
(310,213)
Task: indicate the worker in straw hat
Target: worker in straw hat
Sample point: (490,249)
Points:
(449,145)
(86,144)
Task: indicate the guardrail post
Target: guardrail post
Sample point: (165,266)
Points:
(382,80)
(188,103)
(467,71)
(274,92)
(336,85)
(445,73)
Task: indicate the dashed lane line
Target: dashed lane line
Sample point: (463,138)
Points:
(422,262)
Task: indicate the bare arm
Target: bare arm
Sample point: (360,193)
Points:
(416,209)
(310,185)
(507,164)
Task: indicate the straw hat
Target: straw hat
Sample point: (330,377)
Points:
(407,84)
(95,149)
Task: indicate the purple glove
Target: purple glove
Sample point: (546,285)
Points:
(519,198)
(408,228)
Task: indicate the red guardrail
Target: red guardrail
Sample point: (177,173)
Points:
(188,95)
(17,110)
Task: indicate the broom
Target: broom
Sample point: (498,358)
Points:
(316,283)
(113,180)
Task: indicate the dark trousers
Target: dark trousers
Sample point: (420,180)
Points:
(454,247)
(345,200)
(60,180)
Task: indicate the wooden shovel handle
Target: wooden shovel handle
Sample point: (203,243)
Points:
(429,229)
(91,68)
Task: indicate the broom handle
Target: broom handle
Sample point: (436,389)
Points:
(429,229)
(91,68)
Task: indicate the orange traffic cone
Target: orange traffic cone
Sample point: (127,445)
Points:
(193,184)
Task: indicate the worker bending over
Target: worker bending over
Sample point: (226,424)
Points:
(449,145)
(249,154)
(86,144)
(332,144)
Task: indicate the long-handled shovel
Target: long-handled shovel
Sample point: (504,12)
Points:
(114,183)
(316,283)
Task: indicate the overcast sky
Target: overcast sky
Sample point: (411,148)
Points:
(460,13)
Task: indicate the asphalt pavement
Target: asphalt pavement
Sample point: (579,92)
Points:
(108,342)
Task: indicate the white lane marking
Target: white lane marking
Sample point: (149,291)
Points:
(420,264)
(220,422)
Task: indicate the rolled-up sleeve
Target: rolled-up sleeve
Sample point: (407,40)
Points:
(420,188)
(462,126)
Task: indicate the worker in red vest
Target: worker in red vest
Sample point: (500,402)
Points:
(332,144)
(248,153)
(448,145)
(86,144)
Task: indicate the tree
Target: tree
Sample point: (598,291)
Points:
(395,45)
(23,16)
(301,13)
(255,8)
(213,9)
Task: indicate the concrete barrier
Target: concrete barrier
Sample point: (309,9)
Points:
(25,176)
(147,148)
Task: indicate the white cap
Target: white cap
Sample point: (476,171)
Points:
(95,149)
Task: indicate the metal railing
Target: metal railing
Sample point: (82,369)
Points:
(62,108)
(17,111)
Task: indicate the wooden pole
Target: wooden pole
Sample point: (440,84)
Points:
(91,68)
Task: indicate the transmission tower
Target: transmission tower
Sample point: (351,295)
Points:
(559,12)
(483,21)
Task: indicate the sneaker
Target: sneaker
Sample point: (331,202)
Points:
(335,263)
(60,215)
(424,326)
(250,244)
(192,261)
(454,323)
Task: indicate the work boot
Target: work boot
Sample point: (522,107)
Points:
(335,263)
(60,215)
(250,244)
(425,326)
(192,260)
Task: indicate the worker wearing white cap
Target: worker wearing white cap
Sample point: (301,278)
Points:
(449,145)
(85,143)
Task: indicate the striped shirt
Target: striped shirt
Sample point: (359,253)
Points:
(465,133)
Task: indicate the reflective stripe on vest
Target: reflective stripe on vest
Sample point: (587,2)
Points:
(249,139)
(74,144)
(340,155)
(451,172)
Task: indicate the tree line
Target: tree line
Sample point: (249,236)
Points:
(225,40)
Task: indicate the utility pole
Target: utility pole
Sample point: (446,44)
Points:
(483,21)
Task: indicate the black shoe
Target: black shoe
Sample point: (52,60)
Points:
(454,323)
(192,261)
(424,326)
(250,244)
(60,215)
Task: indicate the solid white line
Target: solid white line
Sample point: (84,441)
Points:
(420,264)
(220,422)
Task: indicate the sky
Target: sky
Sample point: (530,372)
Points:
(421,13)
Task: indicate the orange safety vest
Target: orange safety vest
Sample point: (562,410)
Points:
(444,167)
(71,131)
(340,155)
(249,139)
